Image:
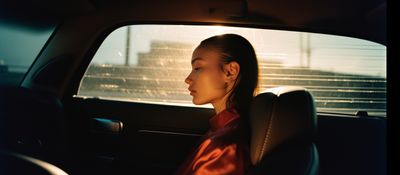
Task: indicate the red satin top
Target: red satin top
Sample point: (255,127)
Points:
(223,149)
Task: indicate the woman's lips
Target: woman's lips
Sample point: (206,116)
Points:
(192,91)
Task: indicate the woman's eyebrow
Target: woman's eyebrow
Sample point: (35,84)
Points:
(197,59)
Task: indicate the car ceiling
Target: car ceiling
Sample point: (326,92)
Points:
(358,18)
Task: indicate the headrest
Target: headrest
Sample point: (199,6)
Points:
(278,116)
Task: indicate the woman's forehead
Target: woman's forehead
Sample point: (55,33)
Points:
(205,55)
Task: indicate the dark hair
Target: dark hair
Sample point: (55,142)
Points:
(237,48)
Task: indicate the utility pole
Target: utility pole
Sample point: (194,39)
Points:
(301,48)
(308,50)
(128,36)
(305,50)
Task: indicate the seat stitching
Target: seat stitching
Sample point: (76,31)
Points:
(266,138)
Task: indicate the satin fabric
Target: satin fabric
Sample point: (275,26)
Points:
(223,150)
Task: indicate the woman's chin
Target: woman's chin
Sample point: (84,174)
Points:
(197,102)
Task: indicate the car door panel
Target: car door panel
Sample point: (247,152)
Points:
(351,145)
(153,137)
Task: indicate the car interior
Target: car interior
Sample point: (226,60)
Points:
(69,111)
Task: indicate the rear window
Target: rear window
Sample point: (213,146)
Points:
(148,63)
(19,46)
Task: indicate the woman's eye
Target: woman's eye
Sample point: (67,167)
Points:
(197,69)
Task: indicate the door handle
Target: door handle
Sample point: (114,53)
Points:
(106,125)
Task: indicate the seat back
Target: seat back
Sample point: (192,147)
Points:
(283,125)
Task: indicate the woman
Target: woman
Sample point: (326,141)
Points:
(224,73)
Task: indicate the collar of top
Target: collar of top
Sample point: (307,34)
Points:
(223,118)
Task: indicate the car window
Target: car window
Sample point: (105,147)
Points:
(148,63)
(19,46)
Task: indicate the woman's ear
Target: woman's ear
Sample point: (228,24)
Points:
(232,70)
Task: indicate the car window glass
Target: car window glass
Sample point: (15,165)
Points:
(19,46)
(148,63)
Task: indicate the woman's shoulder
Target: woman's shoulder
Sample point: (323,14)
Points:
(233,133)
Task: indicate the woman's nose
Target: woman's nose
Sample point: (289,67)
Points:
(188,80)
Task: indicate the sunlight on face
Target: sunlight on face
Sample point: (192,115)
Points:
(206,78)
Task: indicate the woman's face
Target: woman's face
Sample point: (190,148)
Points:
(206,80)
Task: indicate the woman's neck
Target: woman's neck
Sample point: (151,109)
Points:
(219,108)
(220,105)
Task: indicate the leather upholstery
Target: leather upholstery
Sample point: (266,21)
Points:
(283,124)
